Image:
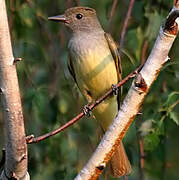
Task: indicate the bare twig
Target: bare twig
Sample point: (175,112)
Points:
(30,139)
(138,124)
(164,158)
(126,21)
(68,3)
(77,2)
(142,157)
(144,52)
(113,9)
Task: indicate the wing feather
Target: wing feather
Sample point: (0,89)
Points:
(116,56)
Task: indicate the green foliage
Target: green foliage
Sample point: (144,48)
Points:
(151,141)
(50,100)
(168,108)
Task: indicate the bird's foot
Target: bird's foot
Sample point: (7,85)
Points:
(87,110)
(114,89)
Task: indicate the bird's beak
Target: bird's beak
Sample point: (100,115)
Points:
(60,18)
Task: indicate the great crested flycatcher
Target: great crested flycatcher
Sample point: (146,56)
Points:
(94,65)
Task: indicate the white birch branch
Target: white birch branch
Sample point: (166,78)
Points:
(16,149)
(134,98)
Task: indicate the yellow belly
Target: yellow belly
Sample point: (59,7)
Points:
(95,74)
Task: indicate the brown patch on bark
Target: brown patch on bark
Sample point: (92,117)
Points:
(176,3)
(140,83)
(170,25)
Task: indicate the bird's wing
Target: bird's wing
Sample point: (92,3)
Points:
(116,56)
(115,53)
(71,69)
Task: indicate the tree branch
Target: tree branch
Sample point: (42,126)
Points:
(16,148)
(132,102)
(30,139)
(126,21)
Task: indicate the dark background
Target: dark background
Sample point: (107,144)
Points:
(50,97)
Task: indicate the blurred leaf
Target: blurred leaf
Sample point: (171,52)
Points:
(172,97)
(153,26)
(171,102)
(26,13)
(146,127)
(151,141)
(129,56)
(63,106)
(175,117)
(132,39)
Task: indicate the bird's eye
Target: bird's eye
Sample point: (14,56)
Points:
(79,16)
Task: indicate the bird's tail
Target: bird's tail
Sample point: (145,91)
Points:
(119,163)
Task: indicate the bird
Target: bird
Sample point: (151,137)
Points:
(94,63)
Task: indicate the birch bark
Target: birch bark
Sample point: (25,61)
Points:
(134,98)
(15,148)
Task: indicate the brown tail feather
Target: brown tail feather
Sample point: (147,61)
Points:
(119,162)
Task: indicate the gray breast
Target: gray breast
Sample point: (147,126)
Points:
(83,43)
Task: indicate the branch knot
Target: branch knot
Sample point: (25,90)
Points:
(101,166)
(140,84)
(171,25)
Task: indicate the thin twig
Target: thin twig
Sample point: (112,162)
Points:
(142,156)
(138,124)
(126,21)
(163,145)
(77,2)
(30,139)
(113,9)
(68,3)
(144,52)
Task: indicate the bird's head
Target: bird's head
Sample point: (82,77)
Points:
(79,19)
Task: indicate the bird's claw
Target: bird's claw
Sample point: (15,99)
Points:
(87,110)
(114,89)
